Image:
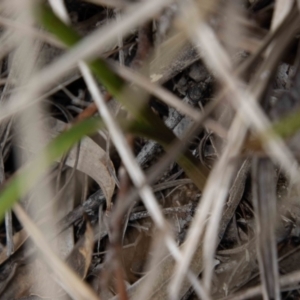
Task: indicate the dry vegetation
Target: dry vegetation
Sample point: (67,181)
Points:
(149,149)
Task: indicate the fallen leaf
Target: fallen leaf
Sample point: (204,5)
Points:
(92,158)
(18,239)
(81,256)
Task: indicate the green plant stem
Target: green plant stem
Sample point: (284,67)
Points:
(136,105)
(24,179)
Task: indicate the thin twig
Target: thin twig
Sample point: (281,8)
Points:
(132,167)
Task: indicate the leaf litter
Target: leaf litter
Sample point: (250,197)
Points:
(237,236)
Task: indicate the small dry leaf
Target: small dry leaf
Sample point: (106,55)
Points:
(18,239)
(92,158)
(81,256)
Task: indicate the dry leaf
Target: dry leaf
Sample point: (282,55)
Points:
(18,239)
(92,158)
(81,256)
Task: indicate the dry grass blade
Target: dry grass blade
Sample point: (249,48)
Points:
(284,281)
(276,148)
(66,277)
(245,103)
(7,43)
(220,175)
(60,10)
(216,86)
(150,124)
(90,47)
(92,158)
(282,8)
(160,288)
(222,172)
(157,91)
(133,169)
(31,31)
(21,70)
(264,201)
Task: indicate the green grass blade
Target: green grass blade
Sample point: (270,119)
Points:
(21,183)
(135,104)
(287,126)
(284,128)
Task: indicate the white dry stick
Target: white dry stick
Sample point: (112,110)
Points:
(92,45)
(133,169)
(222,173)
(220,177)
(22,67)
(30,31)
(106,182)
(60,10)
(131,165)
(245,102)
(158,91)
(128,159)
(7,42)
(287,282)
(282,8)
(254,116)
